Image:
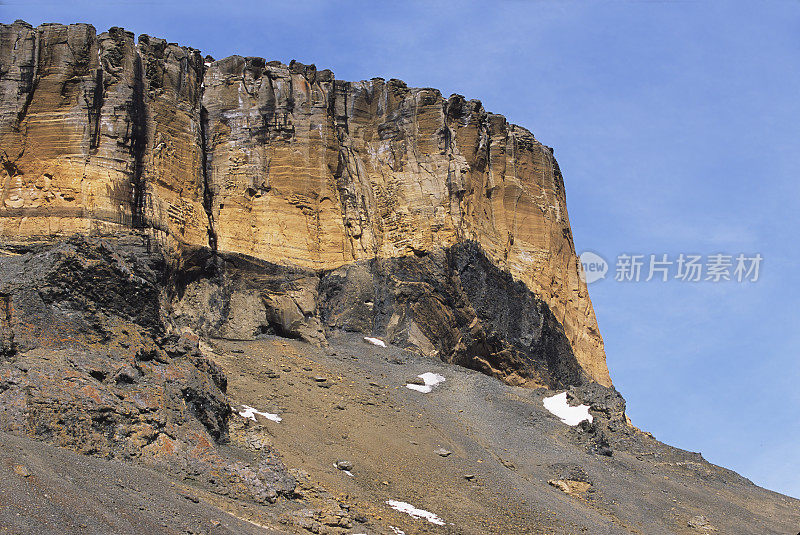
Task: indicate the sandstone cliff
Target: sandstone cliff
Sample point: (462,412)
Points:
(285,200)
(168,222)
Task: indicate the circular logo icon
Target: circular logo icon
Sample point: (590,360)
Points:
(593,267)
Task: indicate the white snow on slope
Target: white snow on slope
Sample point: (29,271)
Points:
(415,513)
(569,415)
(397,531)
(348,472)
(375,341)
(250,412)
(431,379)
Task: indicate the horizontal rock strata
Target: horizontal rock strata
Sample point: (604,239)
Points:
(284,165)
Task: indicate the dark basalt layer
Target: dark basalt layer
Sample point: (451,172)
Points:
(101,348)
(90,366)
(452,303)
(455,304)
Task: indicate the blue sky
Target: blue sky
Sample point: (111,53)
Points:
(675,124)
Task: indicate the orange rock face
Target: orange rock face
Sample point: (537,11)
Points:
(281,163)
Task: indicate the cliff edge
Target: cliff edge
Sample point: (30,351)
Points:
(221,286)
(238,167)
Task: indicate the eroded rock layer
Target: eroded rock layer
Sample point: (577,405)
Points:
(285,166)
(86,365)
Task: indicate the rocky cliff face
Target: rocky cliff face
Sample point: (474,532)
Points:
(168,222)
(286,201)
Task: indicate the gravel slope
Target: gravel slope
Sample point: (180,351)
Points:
(348,402)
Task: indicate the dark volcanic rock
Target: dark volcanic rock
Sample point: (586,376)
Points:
(601,399)
(241,298)
(454,304)
(94,371)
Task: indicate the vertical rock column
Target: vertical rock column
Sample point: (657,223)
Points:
(272,151)
(67,137)
(172,179)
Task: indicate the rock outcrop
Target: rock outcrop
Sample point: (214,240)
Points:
(303,178)
(194,255)
(90,368)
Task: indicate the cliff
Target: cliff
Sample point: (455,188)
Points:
(192,253)
(251,166)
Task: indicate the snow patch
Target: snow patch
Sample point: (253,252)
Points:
(348,472)
(397,531)
(250,412)
(431,379)
(415,513)
(569,415)
(375,341)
